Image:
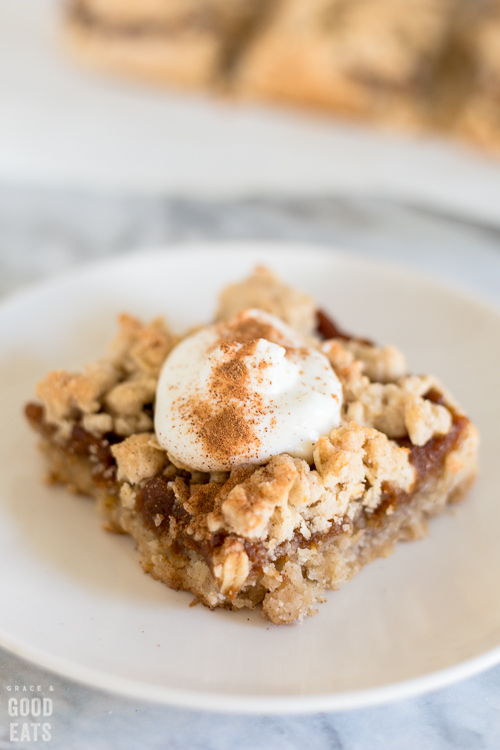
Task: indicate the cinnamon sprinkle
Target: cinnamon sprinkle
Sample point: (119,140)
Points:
(231,378)
(248,330)
(225,422)
(228,433)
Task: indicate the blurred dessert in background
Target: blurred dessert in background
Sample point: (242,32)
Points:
(479,119)
(189,43)
(364,57)
(419,64)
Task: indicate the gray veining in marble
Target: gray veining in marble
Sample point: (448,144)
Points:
(44,232)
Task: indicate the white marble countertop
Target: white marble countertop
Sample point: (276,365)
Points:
(45,231)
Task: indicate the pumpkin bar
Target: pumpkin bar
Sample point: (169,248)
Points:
(275,532)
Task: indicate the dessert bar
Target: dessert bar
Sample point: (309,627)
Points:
(261,459)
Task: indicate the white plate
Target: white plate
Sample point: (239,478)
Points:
(74,598)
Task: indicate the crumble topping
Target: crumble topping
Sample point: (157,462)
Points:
(383,365)
(141,349)
(392,402)
(97,424)
(261,499)
(424,420)
(396,412)
(65,394)
(138,457)
(264,291)
(127,399)
(110,395)
(355,461)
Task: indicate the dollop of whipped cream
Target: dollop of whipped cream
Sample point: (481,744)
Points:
(244,390)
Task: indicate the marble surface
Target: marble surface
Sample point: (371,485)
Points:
(43,232)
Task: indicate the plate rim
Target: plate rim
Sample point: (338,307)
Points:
(219,702)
